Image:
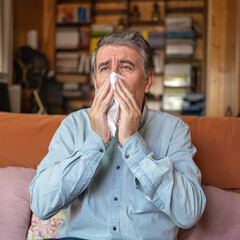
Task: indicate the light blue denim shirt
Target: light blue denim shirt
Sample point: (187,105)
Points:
(145,189)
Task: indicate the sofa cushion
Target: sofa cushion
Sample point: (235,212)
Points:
(217,141)
(25,138)
(220,220)
(15,202)
(41,229)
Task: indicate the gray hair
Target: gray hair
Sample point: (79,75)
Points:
(127,38)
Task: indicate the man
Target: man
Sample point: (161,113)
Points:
(141,184)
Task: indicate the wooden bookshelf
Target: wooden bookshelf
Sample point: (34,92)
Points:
(105,12)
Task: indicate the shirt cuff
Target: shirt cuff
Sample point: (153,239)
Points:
(134,150)
(93,145)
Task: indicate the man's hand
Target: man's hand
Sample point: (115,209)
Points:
(130,115)
(97,113)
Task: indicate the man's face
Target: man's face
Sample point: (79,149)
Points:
(125,61)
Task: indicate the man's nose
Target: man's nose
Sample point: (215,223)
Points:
(115,69)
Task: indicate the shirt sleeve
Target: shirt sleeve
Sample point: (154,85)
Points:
(172,183)
(66,170)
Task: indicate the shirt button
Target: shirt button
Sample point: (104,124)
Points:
(101,150)
(117,167)
(127,156)
(114,228)
(115,198)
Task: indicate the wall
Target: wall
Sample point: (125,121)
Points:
(28,15)
(223,58)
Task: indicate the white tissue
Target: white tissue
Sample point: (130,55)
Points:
(114,110)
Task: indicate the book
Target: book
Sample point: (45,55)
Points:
(73,14)
(156,39)
(179,34)
(93,43)
(84,38)
(178,23)
(84,64)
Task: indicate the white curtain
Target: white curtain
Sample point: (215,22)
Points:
(6,41)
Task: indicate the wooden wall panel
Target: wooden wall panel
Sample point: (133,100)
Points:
(222,78)
(49,22)
(28,15)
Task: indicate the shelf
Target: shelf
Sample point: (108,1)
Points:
(72,77)
(184,10)
(123,8)
(183,0)
(145,23)
(80,24)
(110,12)
(107,1)
(72,49)
(72,1)
(147,1)
(183,60)
(158,74)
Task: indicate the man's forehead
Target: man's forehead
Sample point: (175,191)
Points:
(107,52)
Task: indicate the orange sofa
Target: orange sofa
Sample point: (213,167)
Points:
(24,140)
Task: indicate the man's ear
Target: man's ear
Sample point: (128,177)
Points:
(94,81)
(148,82)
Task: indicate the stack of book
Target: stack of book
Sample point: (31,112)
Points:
(71,90)
(180,41)
(177,75)
(67,62)
(177,80)
(67,38)
(180,48)
(72,62)
(68,14)
(72,38)
(194,104)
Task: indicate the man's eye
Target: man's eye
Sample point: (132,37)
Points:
(125,67)
(104,69)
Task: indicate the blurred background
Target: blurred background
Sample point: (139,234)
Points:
(46,45)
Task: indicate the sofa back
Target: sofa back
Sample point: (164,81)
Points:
(24,140)
(217,140)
